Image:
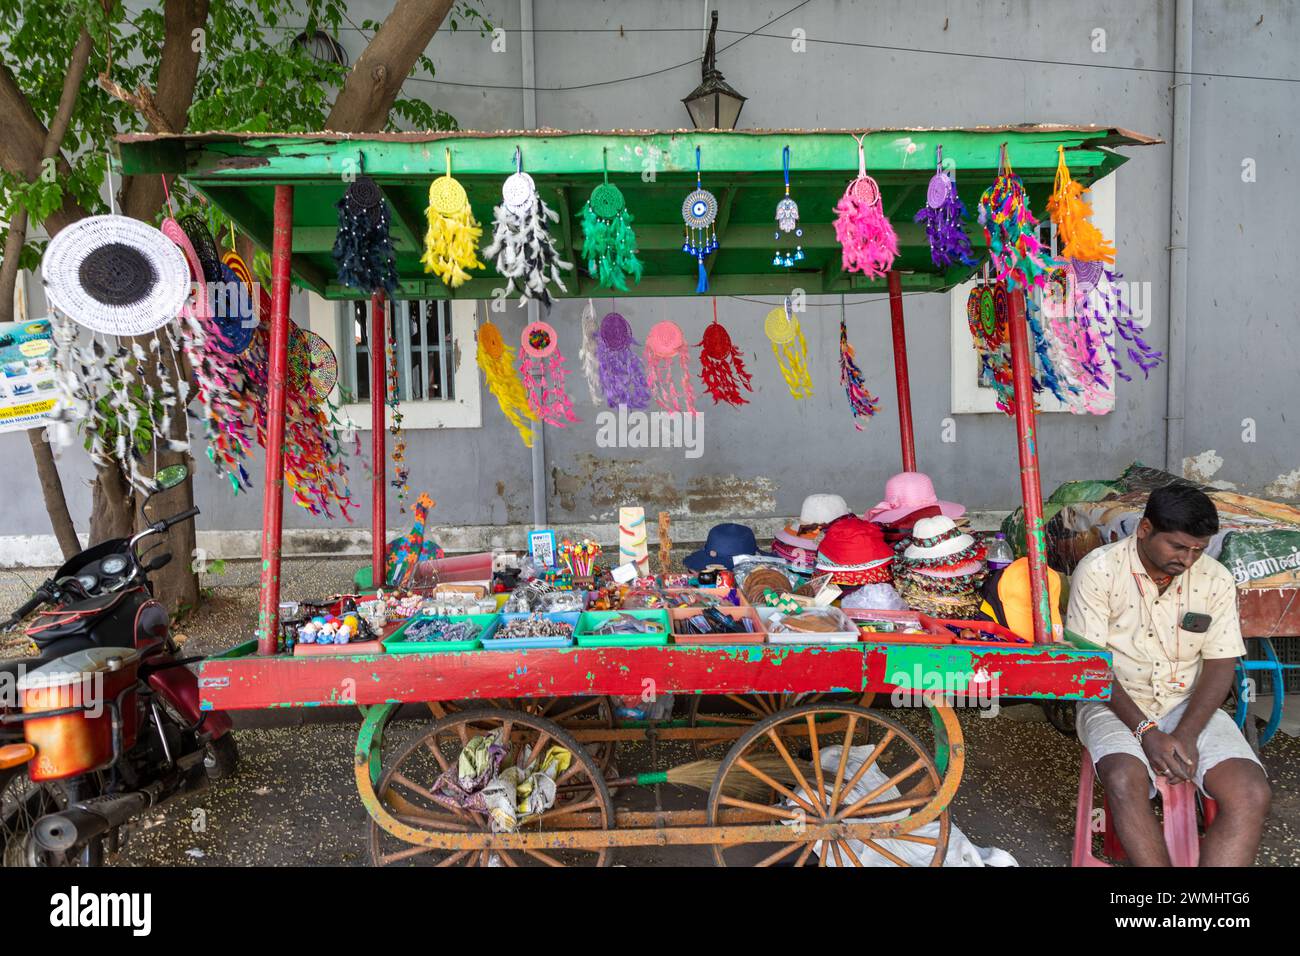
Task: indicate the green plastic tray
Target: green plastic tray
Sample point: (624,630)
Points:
(590,620)
(396,643)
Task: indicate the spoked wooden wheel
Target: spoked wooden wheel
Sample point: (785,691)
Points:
(745,710)
(571,713)
(410,826)
(843,782)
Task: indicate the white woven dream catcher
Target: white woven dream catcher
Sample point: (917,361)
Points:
(522,245)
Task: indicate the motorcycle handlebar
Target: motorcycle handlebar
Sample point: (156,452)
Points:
(166,523)
(40,597)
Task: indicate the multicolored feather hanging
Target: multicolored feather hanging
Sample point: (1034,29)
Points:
(663,346)
(699,216)
(393,395)
(622,372)
(861,402)
(451,243)
(722,368)
(1104,305)
(944,218)
(541,365)
(789,348)
(363,250)
(1011,231)
(1077,237)
(497,360)
(522,246)
(608,242)
(868,241)
(787,222)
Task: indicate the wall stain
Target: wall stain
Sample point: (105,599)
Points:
(601,485)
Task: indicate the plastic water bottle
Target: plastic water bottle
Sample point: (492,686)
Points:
(999,553)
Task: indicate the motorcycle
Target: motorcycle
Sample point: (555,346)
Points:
(106,722)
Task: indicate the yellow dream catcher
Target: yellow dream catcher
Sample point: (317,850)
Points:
(790,349)
(451,243)
(497,360)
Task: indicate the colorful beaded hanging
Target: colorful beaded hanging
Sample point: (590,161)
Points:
(1011,231)
(722,369)
(663,346)
(401,474)
(867,240)
(787,222)
(861,402)
(608,242)
(497,360)
(451,242)
(541,365)
(700,214)
(944,218)
(789,348)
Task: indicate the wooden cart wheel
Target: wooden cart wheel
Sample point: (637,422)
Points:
(409,827)
(825,791)
(745,710)
(571,713)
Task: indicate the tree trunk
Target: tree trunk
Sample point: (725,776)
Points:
(372,85)
(52,488)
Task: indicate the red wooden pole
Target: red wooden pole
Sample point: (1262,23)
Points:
(1031,490)
(900,371)
(378,452)
(268,619)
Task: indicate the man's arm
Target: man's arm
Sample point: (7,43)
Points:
(1223,646)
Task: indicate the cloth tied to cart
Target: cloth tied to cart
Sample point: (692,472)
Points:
(509,796)
(961,851)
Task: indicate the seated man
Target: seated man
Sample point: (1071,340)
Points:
(1168,615)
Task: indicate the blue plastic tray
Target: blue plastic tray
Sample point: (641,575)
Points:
(524,643)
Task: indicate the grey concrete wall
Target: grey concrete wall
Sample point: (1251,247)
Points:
(765,457)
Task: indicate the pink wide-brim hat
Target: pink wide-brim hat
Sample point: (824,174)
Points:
(909,491)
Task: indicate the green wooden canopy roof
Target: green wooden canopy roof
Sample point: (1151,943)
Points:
(655,170)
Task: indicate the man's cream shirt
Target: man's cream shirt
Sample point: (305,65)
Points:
(1114,603)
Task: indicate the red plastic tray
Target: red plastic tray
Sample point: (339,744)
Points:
(1004,637)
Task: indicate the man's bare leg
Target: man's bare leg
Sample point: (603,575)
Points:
(1241,790)
(1128,791)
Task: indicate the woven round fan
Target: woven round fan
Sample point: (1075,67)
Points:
(233,312)
(115,275)
(205,246)
(313,367)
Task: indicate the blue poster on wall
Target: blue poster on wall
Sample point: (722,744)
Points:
(28,391)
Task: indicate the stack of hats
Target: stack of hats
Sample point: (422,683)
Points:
(909,497)
(940,569)
(725,543)
(797,543)
(854,552)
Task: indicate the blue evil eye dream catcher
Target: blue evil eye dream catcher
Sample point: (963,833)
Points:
(700,213)
(787,223)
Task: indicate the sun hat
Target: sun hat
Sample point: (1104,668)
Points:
(799,551)
(854,551)
(937,540)
(115,275)
(725,542)
(822,509)
(906,492)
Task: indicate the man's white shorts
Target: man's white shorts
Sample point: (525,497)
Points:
(1103,734)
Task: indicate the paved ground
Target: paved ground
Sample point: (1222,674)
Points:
(294,802)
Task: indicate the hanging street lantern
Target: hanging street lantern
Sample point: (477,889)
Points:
(713,104)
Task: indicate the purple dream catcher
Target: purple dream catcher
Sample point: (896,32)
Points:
(622,371)
(944,218)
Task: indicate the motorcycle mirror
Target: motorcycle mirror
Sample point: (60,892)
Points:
(171,476)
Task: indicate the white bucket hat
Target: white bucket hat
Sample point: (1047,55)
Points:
(822,509)
(934,538)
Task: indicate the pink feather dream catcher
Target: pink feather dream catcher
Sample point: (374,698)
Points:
(867,240)
(663,346)
(542,368)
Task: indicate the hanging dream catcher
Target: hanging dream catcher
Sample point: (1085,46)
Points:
(867,239)
(313,368)
(1081,349)
(608,242)
(1078,237)
(541,366)
(663,346)
(363,249)
(1104,307)
(497,360)
(944,217)
(1011,231)
(522,245)
(789,348)
(722,368)
(988,331)
(861,402)
(622,373)
(451,242)
(233,328)
(700,214)
(787,222)
(587,354)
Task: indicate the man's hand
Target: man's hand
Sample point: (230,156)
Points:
(1192,756)
(1169,756)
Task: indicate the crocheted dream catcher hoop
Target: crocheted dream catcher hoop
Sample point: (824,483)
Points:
(700,215)
(608,242)
(663,346)
(944,218)
(497,360)
(451,242)
(223,301)
(722,368)
(363,249)
(787,222)
(522,248)
(789,348)
(115,275)
(621,370)
(541,365)
(867,240)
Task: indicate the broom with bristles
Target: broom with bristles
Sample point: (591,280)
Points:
(700,774)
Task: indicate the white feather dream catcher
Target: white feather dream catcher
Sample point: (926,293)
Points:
(522,246)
